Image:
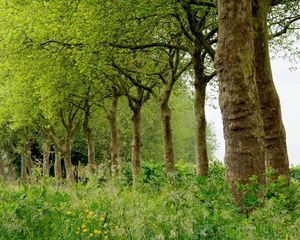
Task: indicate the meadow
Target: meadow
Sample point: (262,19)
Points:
(157,207)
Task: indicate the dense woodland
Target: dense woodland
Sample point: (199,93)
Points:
(103,128)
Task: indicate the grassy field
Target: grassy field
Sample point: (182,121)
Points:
(188,208)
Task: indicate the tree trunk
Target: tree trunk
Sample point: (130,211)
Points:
(88,133)
(57,166)
(10,165)
(167,134)
(46,155)
(136,142)
(114,149)
(67,157)
(276,156)
(24,174)
(2,172)
(199,110)
(239,102)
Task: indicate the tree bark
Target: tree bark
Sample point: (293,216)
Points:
(67,156)
(2,172)
(136,142)
(199,110)
(239,102)
(57,166)
(167,133)
(88,133)
(10,165)
(276,156)
(46,155)
(114,148)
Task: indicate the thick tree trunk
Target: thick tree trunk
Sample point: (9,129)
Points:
(239,102)
(276,156)
(167,134)
(114,149)
(199,110)
(57,166)
(46,155)
(67,157)
(136,142)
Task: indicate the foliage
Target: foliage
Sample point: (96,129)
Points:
(196,209)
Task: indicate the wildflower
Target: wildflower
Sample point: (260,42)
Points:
(91,234)
(105,237)
(98,232)
(83,226)
(85,230)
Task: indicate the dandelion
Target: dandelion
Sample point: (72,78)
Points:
(101,219)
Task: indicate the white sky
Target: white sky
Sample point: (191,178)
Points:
(288,87)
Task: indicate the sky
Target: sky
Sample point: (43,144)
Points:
(287,83)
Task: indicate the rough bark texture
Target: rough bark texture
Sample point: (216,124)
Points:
(199,110)
(114,150)
(167,132)
(46,155)
(243,132)
(276,156)
(88,133)
(67,157)
(136,141)
(57,166)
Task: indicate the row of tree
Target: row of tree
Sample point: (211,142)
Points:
(69,60)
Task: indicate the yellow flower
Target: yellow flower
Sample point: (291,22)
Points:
(83,226)
(105,238)
(286,237)
(101,219)
(91,235)
(85,230)
(98,232)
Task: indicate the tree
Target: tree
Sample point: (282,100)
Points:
(275,148)
(239,100)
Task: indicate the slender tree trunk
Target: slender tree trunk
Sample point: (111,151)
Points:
(24,174)
(57,166)
(67,157)
(114,149)
(136,142)
(199,110)
(30,164)
(46,155)
(2,172)
(239,102)
(88,133)
(276,156)
(167,133)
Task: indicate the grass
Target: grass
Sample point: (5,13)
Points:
(191,208)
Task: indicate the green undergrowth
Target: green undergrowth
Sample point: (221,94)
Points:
(156,208)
